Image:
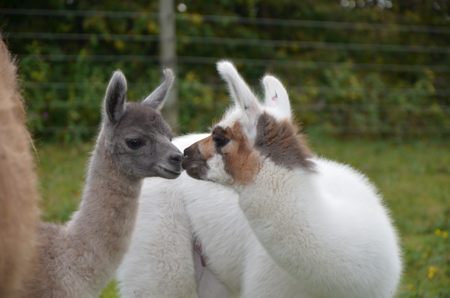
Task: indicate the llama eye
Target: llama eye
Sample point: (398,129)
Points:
(220,140)
(134,143)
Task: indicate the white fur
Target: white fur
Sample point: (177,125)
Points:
(356,226)
(291,233)
(217,171)
(160,260)
(329,231)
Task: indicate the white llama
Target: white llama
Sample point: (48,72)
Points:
(78,259)
(295,226)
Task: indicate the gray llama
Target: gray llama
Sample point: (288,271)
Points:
(78,259)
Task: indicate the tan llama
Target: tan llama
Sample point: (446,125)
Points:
(18,196)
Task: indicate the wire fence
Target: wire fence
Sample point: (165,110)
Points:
(420,106)
(250,62)
(233,20)
(234,41)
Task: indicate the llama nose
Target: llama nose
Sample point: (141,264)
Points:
(177,158)
(187,152)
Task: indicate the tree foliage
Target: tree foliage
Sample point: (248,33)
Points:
(342,77)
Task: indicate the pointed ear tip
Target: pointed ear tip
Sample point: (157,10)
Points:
(269,79)
(118,76)
(169,77)
(118,72)
(223,62)
(168,72)
(225,66)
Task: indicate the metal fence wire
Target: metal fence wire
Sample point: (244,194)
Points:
(334,103)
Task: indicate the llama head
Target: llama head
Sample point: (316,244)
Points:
(247,135)
(136,136)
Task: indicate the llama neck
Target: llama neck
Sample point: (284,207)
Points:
(110,200)
(281,207)
(275,185)
(103,225)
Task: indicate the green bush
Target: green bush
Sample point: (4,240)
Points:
(335,85)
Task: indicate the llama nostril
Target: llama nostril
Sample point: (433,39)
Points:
(176,158)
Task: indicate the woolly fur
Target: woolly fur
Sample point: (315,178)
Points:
(314,228)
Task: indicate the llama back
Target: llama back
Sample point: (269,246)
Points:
(345,182)
(361,218)
(185,141)
(18,196)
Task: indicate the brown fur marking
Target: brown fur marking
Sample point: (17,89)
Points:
(225,132)
(206,147)
(281,143)
(240,161)
(19,213)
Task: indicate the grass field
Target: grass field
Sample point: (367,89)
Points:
(414,178)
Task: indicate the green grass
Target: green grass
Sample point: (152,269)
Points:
(413,177)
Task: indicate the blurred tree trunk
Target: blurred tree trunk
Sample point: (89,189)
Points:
(168,58)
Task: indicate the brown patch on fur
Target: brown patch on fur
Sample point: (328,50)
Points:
(228,133)
(18,197)
(281,143)
(240,161)
(206,148)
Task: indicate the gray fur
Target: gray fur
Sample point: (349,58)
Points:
(79,259)
(157,98)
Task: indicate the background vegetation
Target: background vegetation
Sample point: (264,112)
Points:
(364,67)
(370,81)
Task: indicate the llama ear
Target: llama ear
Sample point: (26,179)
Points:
(157,98)
(239,91)
(115,98)
(276,97)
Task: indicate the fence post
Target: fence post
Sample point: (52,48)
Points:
(168,58)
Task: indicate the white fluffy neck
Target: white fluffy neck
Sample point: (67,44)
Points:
(278,182)
(281,207)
